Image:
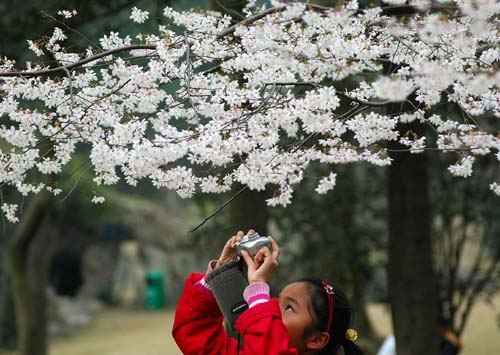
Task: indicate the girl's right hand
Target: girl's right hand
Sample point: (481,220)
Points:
(261,267)
(229,250)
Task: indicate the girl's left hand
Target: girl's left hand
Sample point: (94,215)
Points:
(261,267)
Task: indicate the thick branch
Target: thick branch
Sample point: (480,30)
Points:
(224,33)
(79,63)
(250,20)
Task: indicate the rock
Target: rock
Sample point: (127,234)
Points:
(68,314)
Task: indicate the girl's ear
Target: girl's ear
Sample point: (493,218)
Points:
(317,341)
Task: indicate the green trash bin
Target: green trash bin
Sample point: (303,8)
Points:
(155,293)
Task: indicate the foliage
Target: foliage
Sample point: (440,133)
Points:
(216,129)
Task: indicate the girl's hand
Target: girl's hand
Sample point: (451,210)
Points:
(261,267)
(229,249)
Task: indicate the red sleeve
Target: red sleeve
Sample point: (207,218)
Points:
(198,328)
(263,330)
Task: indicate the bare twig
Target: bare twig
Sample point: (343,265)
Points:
(72,98)
(76,182)
(221,207)
(68,27)
(229,11)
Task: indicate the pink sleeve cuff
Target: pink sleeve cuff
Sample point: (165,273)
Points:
(202,285)
(256,293)
(211,266)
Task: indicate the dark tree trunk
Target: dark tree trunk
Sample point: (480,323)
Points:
(28,264)
(354,256)
(8,327)
(412,287)
(249,210)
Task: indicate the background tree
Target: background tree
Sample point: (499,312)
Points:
(411,281)
(29,253)
(466,230)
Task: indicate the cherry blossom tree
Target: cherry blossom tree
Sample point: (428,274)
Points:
(205,103)
(256,101)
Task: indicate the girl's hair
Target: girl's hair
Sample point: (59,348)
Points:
(342,314)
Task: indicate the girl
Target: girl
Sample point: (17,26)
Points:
(308,317)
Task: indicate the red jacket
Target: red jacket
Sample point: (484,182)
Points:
(198,328)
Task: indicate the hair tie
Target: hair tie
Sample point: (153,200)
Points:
(351,334)
(329,293)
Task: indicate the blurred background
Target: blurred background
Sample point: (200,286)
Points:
(105,279)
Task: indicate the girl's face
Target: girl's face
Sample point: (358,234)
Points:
(294,305)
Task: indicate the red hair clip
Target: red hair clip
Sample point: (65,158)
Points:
(330,294)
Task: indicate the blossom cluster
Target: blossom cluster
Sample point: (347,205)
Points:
(255,103)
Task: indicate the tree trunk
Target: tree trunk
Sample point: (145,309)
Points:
(354,256)
(28,264)
(412,292)
(7,315)
(249,210)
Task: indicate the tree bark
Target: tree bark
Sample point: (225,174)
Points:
(28,263)
(249,210)
(7,316)
(354,256)
(412,286)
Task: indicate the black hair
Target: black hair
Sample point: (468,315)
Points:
(342,316)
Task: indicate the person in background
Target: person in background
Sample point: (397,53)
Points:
(449,344)
(388,347)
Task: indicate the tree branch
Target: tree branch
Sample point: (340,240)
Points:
(221,207)
(250,20)
(79,63)
(224,33)
(341,94)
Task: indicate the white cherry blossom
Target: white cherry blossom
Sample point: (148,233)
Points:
(254,103)
(139,15)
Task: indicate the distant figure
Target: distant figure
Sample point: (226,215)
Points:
(449,344)
(388,346)
(128,284)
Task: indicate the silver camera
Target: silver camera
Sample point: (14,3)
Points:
(252,244)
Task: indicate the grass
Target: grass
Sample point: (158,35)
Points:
(120,332)
(132,332)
